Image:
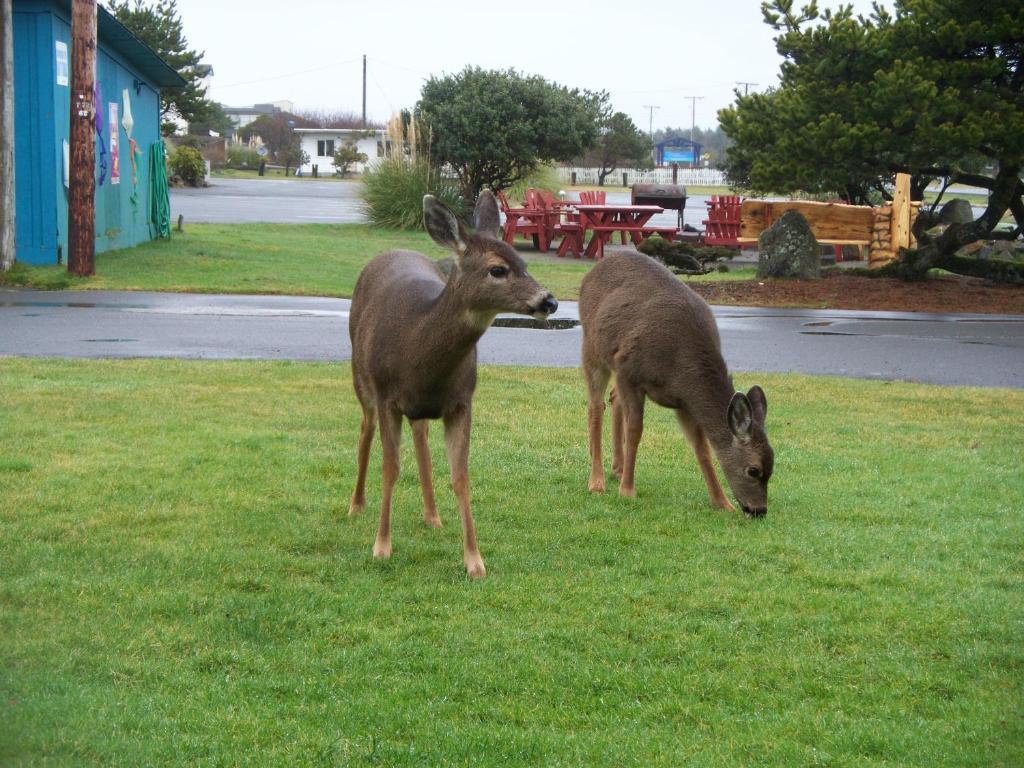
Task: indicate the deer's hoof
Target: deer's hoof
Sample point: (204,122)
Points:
(382,550)
(475,567)
(432,521)
(596,485)
(356,507)
(628,493)
(723,503)
(616,472)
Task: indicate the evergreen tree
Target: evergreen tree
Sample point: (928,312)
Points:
(159,26)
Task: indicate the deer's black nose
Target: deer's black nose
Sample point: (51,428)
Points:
(549,305)
(755,511)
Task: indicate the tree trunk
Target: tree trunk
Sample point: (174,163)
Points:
(7,199)
(941,252)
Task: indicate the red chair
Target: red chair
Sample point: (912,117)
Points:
(592,197)
(528,222)
(722,226)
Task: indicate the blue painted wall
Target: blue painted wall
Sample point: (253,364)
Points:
(42,118)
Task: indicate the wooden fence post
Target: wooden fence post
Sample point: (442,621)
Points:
(901,213)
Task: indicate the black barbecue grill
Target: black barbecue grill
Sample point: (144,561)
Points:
(668,196)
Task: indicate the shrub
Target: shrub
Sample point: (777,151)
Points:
(683,258)
(187,163)
(242,157)
(344,157)
(393,192)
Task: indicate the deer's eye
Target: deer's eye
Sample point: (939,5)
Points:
(754,472)
(499,272)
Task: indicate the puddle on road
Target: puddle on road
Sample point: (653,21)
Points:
(107,341)
(818,323)
(551,324)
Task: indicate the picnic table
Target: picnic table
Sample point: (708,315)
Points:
(605,220)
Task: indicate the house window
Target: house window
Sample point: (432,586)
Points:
(325,148)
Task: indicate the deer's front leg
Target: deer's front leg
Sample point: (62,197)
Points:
(597,380)
(420,432)
(390,434)
(456,441)
(702,450)
(618,434)
(632,404)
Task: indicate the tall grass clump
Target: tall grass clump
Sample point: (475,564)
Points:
(393,192)
(542,177)
(393,189)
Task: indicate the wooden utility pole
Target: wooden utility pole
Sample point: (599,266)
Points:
(364,90)
(82,178)
(7,200)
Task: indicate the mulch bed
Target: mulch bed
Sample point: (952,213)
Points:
(836,290)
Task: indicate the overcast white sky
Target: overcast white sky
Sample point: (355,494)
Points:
(310,51)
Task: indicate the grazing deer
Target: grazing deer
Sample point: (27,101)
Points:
(660,340)
(414,337)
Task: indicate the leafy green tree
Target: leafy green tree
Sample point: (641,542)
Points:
(932,89)
(159,26)
(619,141)
(277,131)
(216,119)
(292,155)
(494,127)
(344,156)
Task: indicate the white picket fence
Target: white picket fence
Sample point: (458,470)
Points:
(686,176)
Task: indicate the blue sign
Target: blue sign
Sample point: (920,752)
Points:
(679,155)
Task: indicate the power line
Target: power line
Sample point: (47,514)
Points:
(746,86)
(289,74)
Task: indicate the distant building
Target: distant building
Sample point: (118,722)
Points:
(242,116)
(320,144)
(129,75)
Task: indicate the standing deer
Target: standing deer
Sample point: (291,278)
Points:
(660,340)
(414,340)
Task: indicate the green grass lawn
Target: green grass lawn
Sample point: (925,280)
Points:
(180,584)
(299,259)
(278,173)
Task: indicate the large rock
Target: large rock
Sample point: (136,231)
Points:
(788,248)
(956,212)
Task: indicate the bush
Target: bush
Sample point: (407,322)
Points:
(393,192)
(242,158)
(344,157)
(686,259)
(187,163)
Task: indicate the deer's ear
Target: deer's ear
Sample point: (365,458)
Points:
(741,418)
(758,404)
(443,225)
(485,216)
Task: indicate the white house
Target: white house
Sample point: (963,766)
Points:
(321,143)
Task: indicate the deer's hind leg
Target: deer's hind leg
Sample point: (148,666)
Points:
(597,380)
(390,435)
(420,432)
(366,430)
(702,449)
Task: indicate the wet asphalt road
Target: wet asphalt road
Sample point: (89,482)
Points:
(980,350)
(297,201)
